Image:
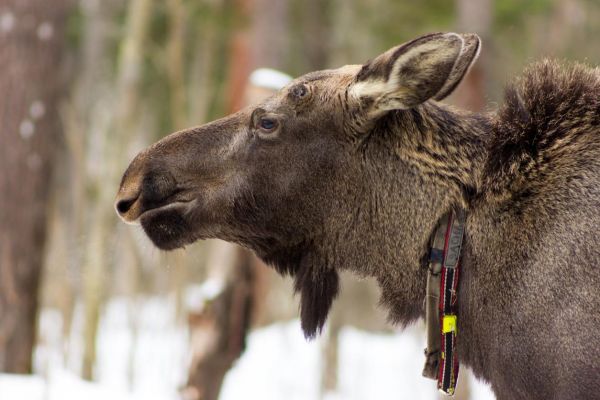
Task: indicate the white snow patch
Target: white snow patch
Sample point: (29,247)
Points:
(64,385)
(21,387)
(480,390)
(269,78)
(377,366)
(49,350)
(150,362)
(142,352)
(197,295)
(60,385)
(278,364)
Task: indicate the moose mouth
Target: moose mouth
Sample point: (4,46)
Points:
(167,227)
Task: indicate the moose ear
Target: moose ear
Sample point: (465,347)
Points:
(318,287)
(429,67)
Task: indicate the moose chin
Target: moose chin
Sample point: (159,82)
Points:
(354,168)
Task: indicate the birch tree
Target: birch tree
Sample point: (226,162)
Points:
(32,45)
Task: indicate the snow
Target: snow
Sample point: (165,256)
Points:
(481,390)
(277,364)
(21,387)
(60,385)
(150,361)
(269,78)
(141,351)
(383,367)
(280,364)
(196,296)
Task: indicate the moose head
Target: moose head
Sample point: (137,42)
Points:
(342,169)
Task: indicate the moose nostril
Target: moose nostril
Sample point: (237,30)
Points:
(124,205)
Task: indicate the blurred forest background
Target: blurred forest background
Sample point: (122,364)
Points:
(87,84)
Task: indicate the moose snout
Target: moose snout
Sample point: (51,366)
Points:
(127,203)
(143,187)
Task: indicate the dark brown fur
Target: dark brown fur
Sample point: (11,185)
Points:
(359,170)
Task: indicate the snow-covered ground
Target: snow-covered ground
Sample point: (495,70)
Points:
(277,364)
(280,364)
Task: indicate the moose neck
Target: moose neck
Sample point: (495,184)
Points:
(448,146)
(427,161)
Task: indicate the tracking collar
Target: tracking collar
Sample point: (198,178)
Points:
(441,301)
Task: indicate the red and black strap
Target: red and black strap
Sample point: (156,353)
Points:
(441,311)
(448,364)
(448,367)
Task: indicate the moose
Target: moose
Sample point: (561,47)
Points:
(353,168)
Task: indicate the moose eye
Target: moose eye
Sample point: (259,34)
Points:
(267,124)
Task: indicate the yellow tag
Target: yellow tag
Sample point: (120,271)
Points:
(449,323)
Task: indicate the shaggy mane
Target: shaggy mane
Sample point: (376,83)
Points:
(550,115)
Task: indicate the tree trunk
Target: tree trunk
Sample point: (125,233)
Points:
(32,45)
(219,321)
(313,29)
(474,16)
